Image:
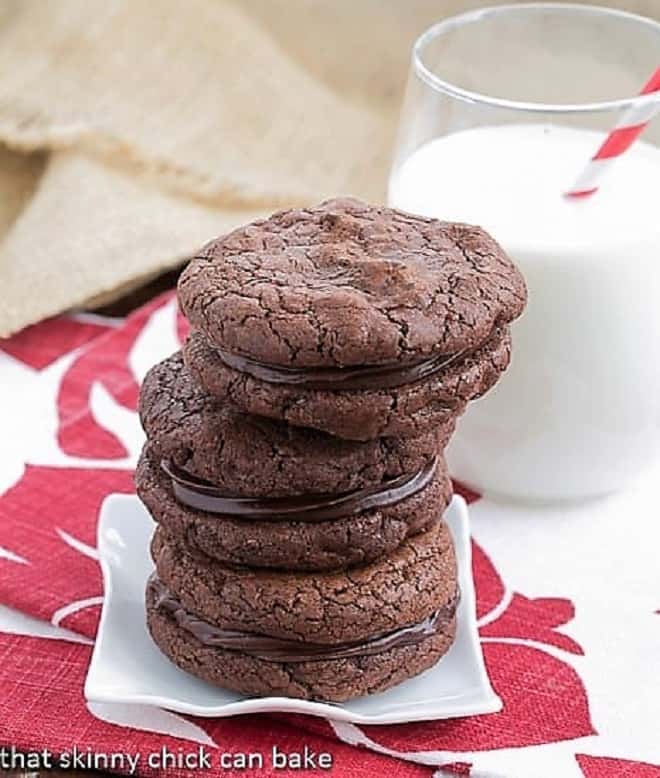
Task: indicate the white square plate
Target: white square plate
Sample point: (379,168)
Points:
(127,667)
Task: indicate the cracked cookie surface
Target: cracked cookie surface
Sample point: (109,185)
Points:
(401,589)
(333,680)
(345,283)
(255,456)
(306,546)
(365,414)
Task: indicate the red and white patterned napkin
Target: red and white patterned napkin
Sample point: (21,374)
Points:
(568,598)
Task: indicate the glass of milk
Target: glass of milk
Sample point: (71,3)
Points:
(504,108)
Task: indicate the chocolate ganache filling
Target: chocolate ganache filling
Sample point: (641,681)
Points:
(202,495)
(273,649)
(342,378)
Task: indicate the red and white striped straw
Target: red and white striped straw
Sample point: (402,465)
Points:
(629,128)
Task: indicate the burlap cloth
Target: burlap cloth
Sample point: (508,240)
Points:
(131,131)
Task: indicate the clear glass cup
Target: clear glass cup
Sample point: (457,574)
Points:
(504,107)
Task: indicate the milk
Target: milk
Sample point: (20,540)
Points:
(578,412)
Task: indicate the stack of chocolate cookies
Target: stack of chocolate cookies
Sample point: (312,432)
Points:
(294,462)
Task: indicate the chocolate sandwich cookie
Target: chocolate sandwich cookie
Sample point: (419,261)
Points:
(363,524)
(256,457)
(357,320)
(255,664)
(399,590)
(329,636)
